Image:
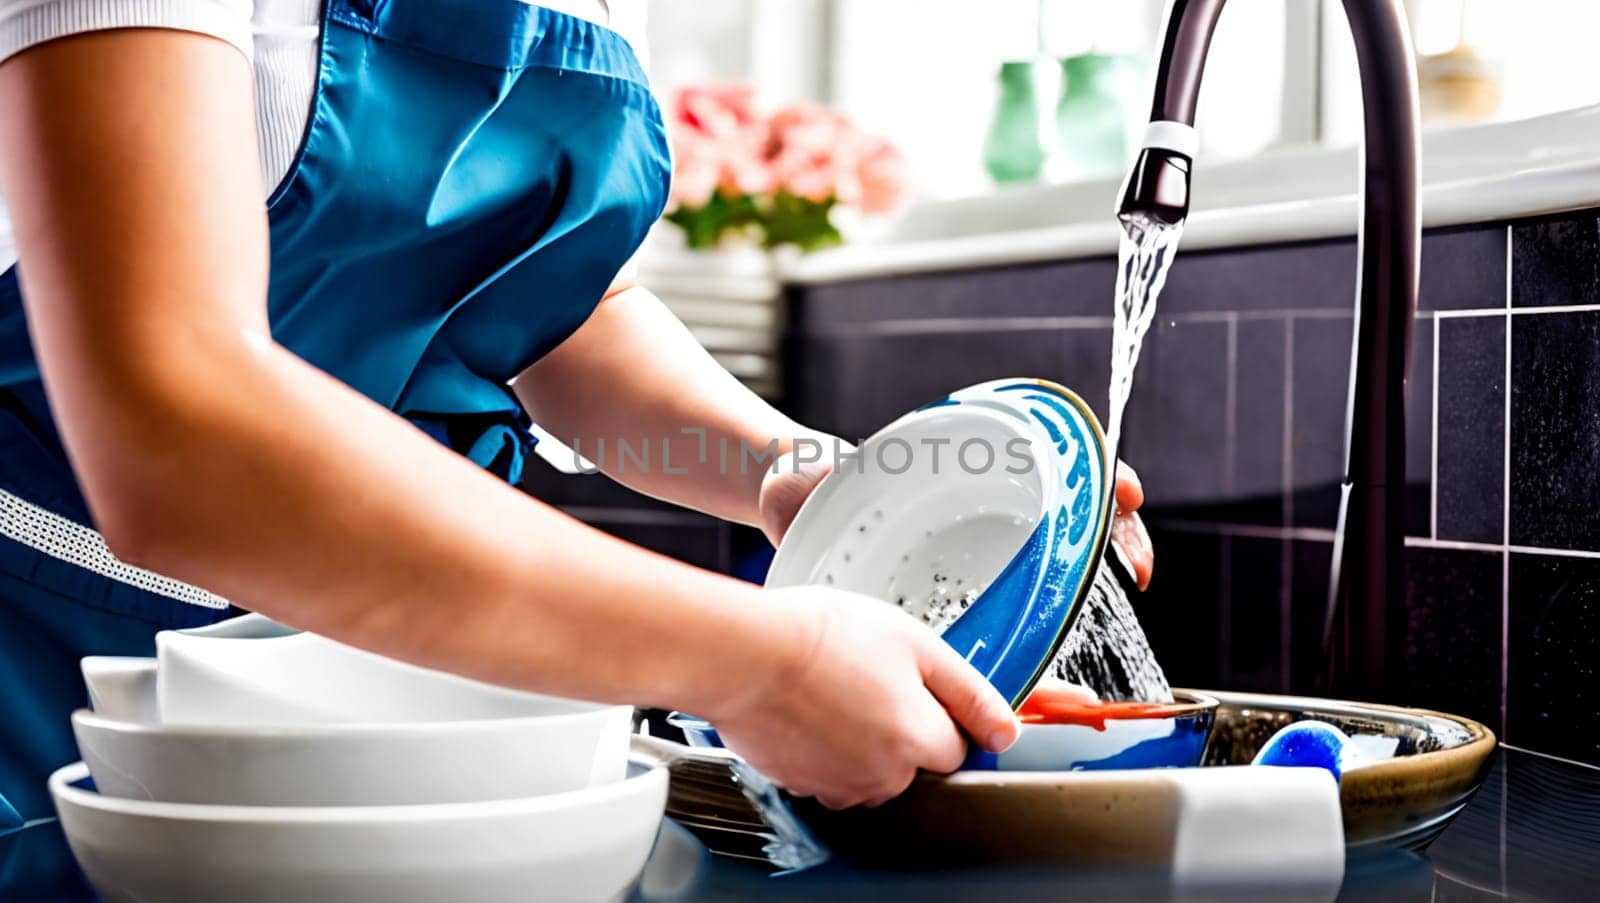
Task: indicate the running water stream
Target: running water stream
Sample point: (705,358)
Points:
(1106,649)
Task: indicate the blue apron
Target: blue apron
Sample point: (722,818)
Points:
(474,175)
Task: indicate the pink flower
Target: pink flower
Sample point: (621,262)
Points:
(804,148)
(695,170)
(716,110)
(718,145)
(723,145)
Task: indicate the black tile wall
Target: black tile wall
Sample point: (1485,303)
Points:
(1453,632)
(1254,587)
(1472,385)
(854,396)
(1464,269)
(1309,276)
(1179,400)
(1180,610)
(1258,473)
(1553,655)
(1555,430)
(1556,261)
(1311,568)
(1321,383)
(1236,424)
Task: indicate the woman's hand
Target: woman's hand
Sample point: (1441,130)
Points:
(861,698)
(1127,530)
(789,483)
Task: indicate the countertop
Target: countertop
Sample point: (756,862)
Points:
(1531,833)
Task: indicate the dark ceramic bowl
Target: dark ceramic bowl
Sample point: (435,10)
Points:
(1111,817)
(1401,802)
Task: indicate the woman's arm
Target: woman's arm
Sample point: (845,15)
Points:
(210,453)
(634,374)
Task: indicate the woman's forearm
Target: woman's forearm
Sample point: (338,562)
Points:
(634,393)
(209,453)
(358,526)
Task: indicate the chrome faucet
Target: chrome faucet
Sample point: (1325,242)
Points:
(1364,630)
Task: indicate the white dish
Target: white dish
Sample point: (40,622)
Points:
(585,845)
(252,670)
(571,746)
(121,687)
(893,534)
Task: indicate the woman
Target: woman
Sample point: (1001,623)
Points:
(304,407)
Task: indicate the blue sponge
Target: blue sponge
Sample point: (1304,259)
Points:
(1308,744)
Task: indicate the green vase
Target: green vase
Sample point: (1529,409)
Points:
(1012,152)
(1091,118)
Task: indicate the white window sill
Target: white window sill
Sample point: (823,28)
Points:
(1470,175)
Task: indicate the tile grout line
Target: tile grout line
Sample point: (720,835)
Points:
(939,325)
(1279,313)
(1433,464)
(1322,534)
(1559,553)
(1505,523)
(1520,311)
(1464,545)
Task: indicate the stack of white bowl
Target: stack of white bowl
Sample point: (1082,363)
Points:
(249,762)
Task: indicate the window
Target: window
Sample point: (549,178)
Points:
(1281,72)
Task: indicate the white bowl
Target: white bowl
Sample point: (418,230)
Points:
(252,670)
(571,746)
(121,687)
(983,514)
(585,845)
(892,535)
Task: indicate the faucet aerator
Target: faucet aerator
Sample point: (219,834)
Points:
(1157,188)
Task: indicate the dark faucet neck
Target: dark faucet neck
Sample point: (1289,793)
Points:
(1365,620)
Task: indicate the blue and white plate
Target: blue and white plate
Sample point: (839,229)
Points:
(984,514)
